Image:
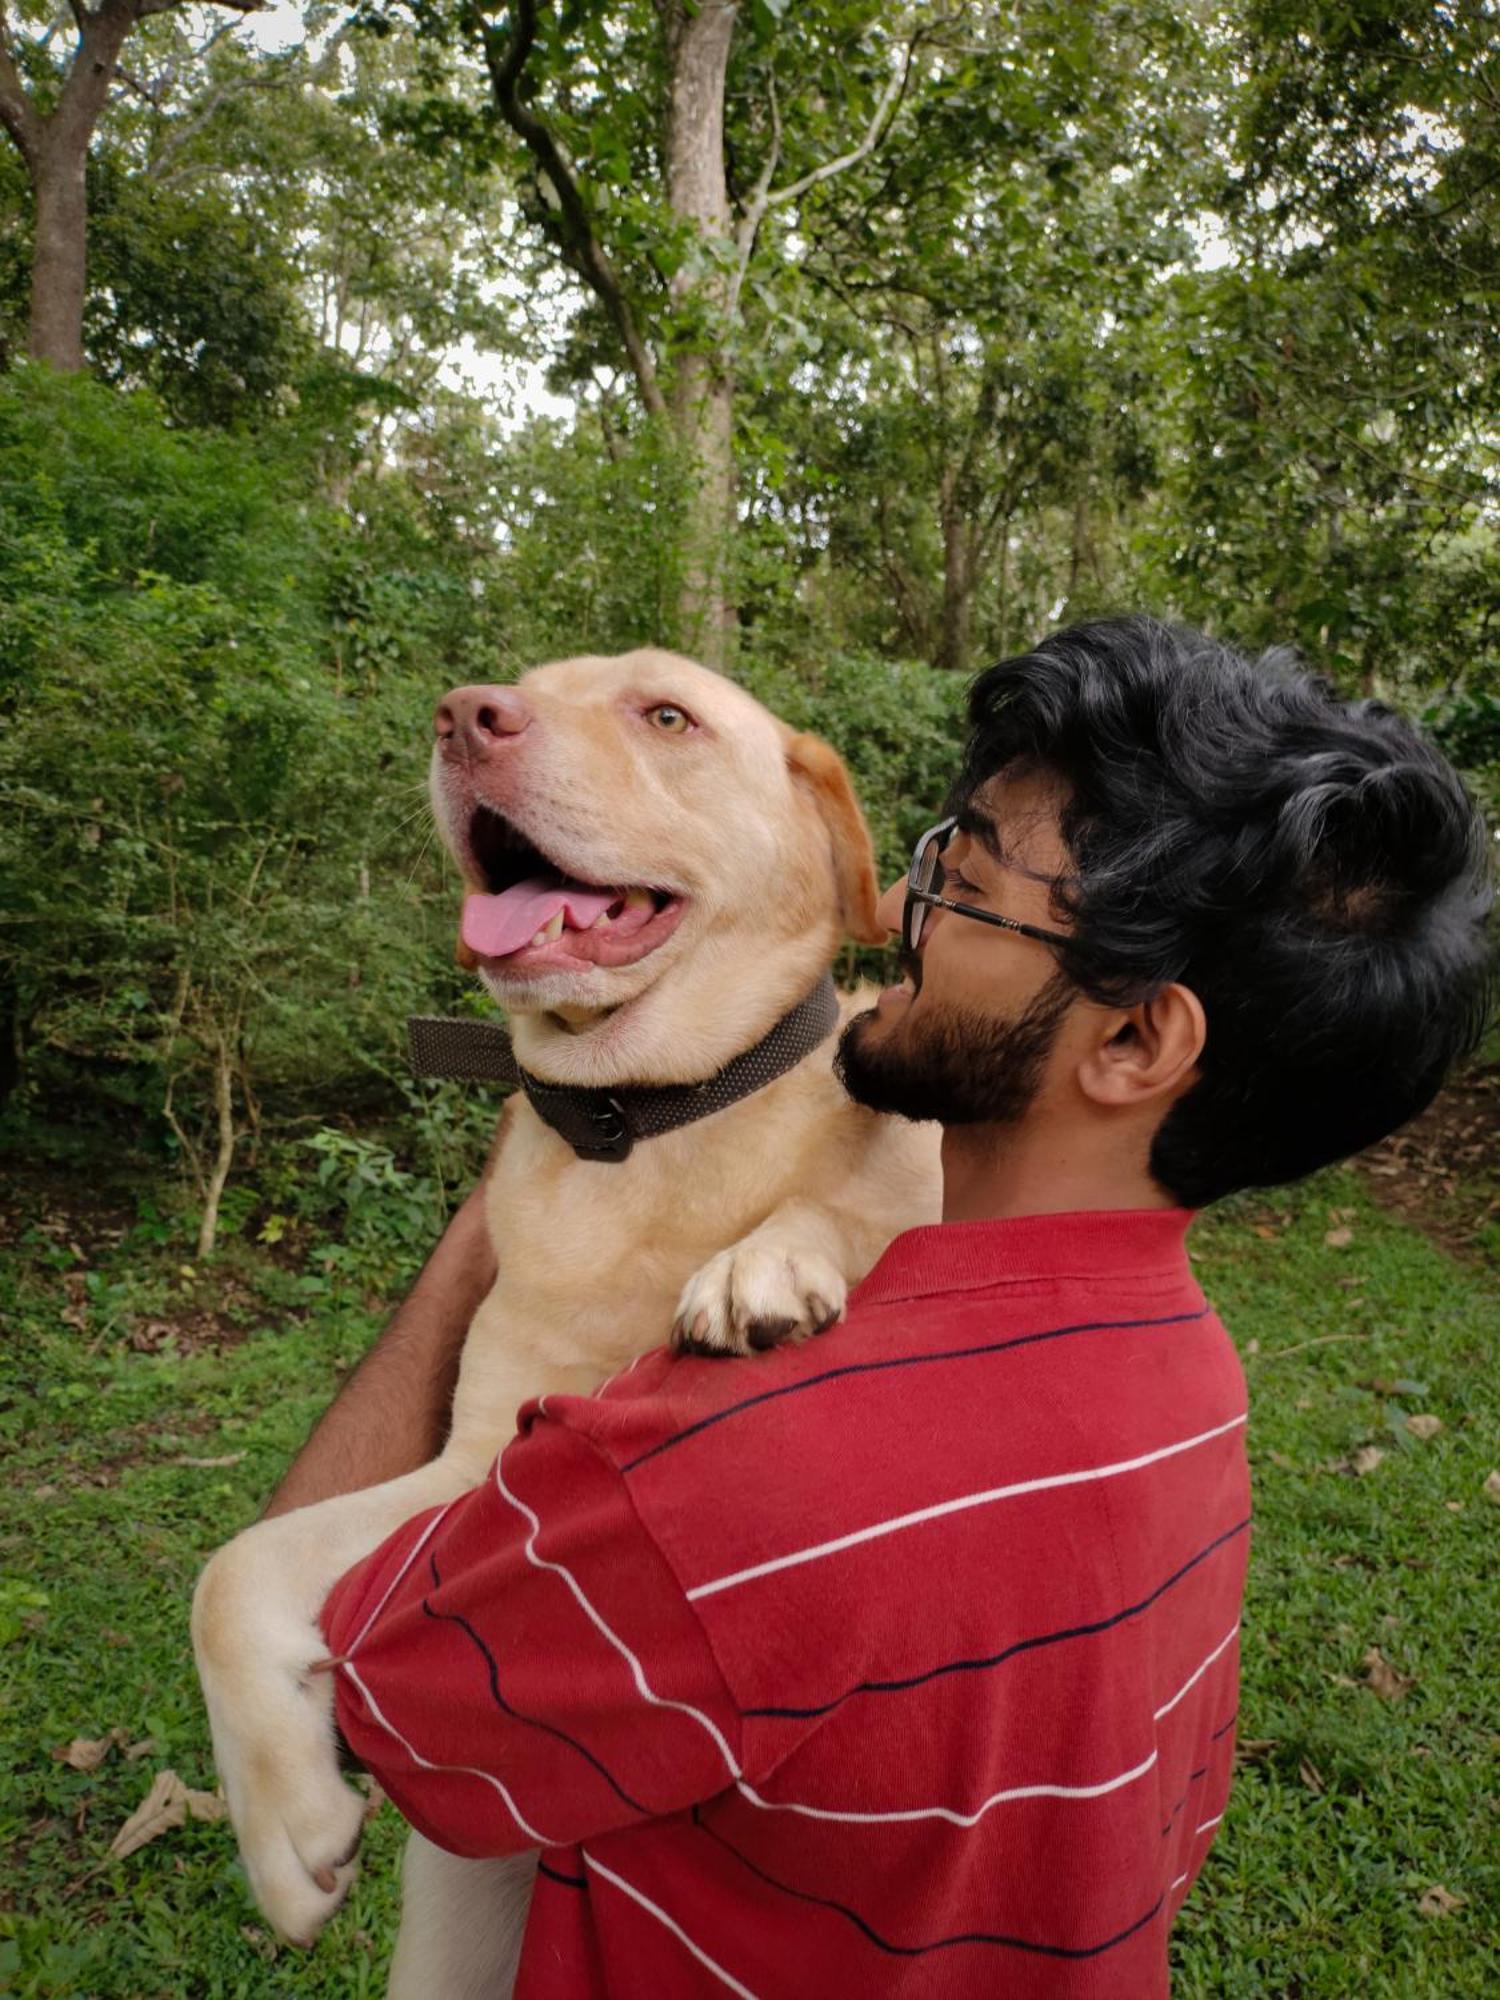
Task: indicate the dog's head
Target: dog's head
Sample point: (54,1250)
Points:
(640,825)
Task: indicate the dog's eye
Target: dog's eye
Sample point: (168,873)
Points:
(666,716)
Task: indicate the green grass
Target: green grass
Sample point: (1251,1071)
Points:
(1348,1812)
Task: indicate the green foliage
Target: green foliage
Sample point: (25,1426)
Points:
(205,854)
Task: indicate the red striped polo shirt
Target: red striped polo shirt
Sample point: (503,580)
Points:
(900,1662)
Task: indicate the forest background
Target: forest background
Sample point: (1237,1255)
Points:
(346,354)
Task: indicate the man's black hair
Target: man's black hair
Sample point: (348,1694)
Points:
(1310,867)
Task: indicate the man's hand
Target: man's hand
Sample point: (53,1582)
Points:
(392,1414)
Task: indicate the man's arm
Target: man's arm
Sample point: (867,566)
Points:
(392,1414)
(580,1676)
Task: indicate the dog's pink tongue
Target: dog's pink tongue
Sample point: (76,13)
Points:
(495,926)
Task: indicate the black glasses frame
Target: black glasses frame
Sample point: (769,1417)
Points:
(922,897)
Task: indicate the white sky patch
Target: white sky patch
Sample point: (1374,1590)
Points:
(1213,247)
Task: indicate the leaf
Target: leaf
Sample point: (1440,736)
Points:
(1383,1677)
(210,1464)
(1440,1902)
(168,1803)
(1310,1775)
(1364,1460)
(1424,1426)
(1340,1238)
(87,1753)
(1492,1487)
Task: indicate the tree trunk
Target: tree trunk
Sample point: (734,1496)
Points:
(59,258)
(56,150)
(702,400)
(208,1227)
(703,418)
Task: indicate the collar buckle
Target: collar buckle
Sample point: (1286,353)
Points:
(593,1122)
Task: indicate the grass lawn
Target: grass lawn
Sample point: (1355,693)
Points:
(146,1409)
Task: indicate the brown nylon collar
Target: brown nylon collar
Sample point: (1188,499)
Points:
(604,1125)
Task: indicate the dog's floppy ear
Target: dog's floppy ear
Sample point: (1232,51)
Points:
(819,769)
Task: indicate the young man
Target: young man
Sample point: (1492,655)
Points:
(905,1661)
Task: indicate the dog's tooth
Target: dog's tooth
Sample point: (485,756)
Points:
(540,938)
(601,922)
(553,928)
(638,899)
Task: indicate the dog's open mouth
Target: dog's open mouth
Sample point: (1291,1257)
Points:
(538,918)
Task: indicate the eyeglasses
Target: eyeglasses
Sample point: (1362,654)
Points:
(921,895)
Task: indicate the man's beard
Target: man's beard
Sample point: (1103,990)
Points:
(958,1066)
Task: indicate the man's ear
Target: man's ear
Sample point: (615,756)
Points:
(1146,1052)
(818,768)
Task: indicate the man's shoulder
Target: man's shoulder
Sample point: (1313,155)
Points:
(900,1373)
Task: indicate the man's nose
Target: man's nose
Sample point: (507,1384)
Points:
(472,723)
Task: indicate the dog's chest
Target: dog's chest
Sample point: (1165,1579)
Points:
(603,1251)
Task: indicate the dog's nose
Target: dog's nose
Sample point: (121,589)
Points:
(472,722)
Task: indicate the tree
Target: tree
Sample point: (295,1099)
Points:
(1333,475)
(670,155)
(53,122)
(975,415)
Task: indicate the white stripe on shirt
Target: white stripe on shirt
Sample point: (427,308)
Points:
(416,1549)
(464,1770)
(1197,1674)
(635,1895)
(638,1673)
(818,1550)
(946,1812)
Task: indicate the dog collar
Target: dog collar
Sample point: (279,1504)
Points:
(605,1124)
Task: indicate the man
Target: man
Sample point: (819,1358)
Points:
(905,1661)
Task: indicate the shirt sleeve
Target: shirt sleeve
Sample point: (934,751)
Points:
(522,1669)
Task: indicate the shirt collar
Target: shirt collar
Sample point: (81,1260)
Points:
(1096,1243)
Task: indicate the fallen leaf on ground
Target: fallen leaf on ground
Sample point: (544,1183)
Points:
(1339,1239)
(210,1464)
(168,1803)
(1359,1462)
(87,1753)
(1492,1487)
(1310,1775)
(1454,1506)
(1440,1902)
(1424,1426)
(1383,1677)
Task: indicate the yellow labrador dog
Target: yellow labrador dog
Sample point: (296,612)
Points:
(660,870)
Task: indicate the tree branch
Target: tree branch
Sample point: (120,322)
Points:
(506,59)
(875,133)
(748,230)
(17,113)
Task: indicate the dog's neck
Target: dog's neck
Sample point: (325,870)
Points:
(702,1013)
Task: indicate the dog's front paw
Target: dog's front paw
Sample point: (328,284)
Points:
(755,1295)
(297,1822)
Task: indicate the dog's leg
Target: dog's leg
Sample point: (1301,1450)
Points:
(256,1637)
(461,1924)
(785,1280)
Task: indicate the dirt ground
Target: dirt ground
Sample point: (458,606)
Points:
(1442,1171)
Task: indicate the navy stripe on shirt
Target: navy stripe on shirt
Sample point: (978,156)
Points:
(907,1361)
(983,1664)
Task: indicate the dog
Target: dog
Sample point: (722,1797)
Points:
(659,871)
